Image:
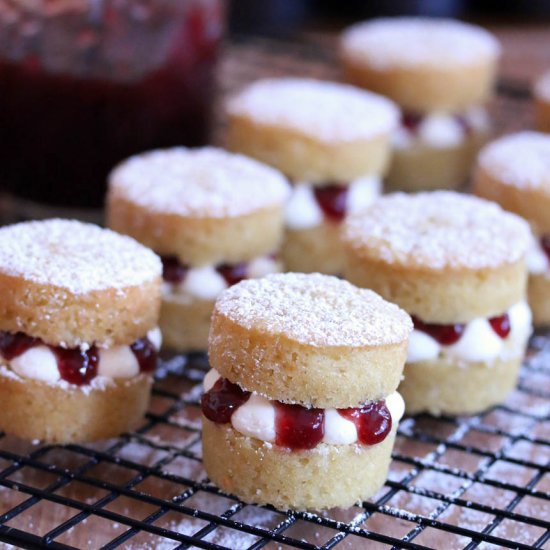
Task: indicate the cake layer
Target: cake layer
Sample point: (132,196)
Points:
(539,298)
(75,284)
(205,206)
(313,131)
(419,165)
(541,93)
(442,256)
(446,386)
(309,339)
(324,477)
(423,64)
(62,413)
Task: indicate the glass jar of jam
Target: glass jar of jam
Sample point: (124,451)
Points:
(86,83)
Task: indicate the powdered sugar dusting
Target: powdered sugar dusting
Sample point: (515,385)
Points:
(316,310)
(78,257)
(207,182)
(325,111)
(412,41)
(521,160)
(438,230)
(542,86)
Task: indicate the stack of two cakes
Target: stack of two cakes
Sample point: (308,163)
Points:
(78,330)
(441,73)
(301,410)
(332,141)
(457,264)
(215,218)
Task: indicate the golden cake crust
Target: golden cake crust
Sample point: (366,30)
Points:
(539,298)
(541,93)
(425,64)
(55,414)
(205,206)
(514,171)
(421,167)
(304,159)
(445,387)
(313,131)
(185,322)
(441,297)
(542,114)
(316,249)
(324,477)
(309,339)
(71,283)
(199,242)
(443,257)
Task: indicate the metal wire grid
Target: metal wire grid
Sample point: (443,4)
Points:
(480,481)
(473,482)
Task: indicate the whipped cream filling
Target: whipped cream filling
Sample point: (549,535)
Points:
(40,363)
(303,211)
(478,343)
(256,417)
(442,130)
(537,260)
(205,283)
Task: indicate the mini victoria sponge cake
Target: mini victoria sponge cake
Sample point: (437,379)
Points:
(78,330)
(332,140)
(423,64)
(456,263)
(514,171)
(214,217)
(300,408)
(541,93)
(440,72)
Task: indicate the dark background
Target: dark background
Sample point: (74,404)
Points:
(284,17)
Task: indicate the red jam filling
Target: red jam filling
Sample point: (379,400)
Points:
(501,325)
(120,99)
(145,353)
(174,272)
(232,274)
(373,421)
(411,121)
(13,345)
(296,427)
(332,199)
(76,366)
(220,402)
(545,243)
(448,335)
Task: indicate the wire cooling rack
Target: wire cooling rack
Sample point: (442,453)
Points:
(472,482)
